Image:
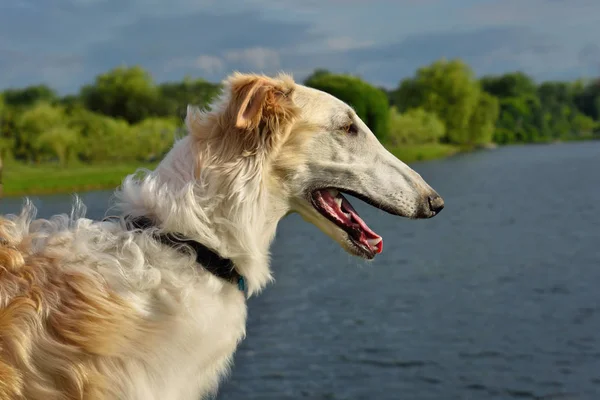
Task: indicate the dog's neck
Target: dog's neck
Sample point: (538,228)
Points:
(224,209)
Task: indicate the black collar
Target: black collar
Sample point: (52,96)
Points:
(223,268)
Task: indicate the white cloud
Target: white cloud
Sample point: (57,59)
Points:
(256,57)
(209,64)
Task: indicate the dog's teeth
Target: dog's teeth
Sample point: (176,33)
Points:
(373,242)
(348,215)
(338,201)
(333,192)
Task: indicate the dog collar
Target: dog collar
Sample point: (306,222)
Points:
(223,268)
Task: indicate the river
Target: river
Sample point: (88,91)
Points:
(498,297)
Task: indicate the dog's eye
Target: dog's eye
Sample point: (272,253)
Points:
(351,128)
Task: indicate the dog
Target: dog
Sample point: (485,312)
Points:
(151,303)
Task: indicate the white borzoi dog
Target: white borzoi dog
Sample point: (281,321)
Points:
(152,304)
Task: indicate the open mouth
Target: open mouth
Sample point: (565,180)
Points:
(333,206)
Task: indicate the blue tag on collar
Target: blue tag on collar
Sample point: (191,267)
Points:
(242,284)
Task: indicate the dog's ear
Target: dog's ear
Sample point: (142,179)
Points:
(257,100)
(254,114)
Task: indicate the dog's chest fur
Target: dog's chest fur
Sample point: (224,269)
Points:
(192,323)
(190,349)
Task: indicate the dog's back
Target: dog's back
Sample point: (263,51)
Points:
(55,320)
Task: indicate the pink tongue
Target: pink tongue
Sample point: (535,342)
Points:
(367,233)
(358,219)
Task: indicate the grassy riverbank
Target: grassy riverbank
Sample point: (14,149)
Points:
(20,179)
(424,152)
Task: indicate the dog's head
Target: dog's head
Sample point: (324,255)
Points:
(311,147)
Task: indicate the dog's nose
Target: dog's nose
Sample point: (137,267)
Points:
(436,203)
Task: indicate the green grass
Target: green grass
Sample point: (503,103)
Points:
(423,152)
(20,179)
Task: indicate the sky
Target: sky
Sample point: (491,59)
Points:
(66,43)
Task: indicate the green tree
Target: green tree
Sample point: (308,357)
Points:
(60,139)
(519,120)
(3,141)
(522,117)
(154,137)
(584,126)
(71,102)
(513,84)
(30,126)
(102,138)
(29,96)
(370,103)
(175,96)
(558,100)
(588,100)
(449,90)
(127,93)
(483,120)
(531,113)
(8,117)
(414,126)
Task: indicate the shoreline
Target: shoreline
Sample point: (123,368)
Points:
(61,190)
(26,180)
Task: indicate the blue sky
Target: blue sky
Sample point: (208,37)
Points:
(66,43)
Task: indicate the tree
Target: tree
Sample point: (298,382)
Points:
(447,89)
(414,126)
(483,120)
(584,126)
(2,143)
(61,139)
(30,126)
(521,120)
(127,93)
(588,100)
(370,103)
(556,94)
(558,99)
(29,96)
(102,138)
(530,113)
(7,129)
(153,137)
(71,102)
(513,84)
(519,107)
(175,96)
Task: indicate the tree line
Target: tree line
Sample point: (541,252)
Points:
(125,116)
